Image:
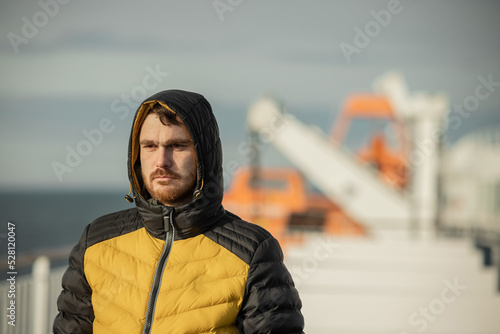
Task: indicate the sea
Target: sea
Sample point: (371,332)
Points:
(45,222)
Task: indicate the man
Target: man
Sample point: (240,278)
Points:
(178,262)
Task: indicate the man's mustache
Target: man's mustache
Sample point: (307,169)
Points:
(164,172)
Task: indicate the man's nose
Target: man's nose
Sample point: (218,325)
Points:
(164,157)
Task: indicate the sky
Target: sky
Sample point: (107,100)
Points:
(73,72)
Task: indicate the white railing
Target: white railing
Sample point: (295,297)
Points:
(35,300)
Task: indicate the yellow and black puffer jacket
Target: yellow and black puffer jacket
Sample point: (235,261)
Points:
(195,268)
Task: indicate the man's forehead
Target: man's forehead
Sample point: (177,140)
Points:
(154,121)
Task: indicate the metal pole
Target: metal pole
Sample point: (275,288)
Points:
(40,295)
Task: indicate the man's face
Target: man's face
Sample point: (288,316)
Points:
(168,161)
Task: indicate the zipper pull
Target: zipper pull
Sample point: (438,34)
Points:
(168,221)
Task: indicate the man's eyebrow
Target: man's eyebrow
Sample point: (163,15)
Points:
(178,142)
(167,143)
(146,142)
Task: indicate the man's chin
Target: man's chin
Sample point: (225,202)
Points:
(169,192)
(171,199)
(163,188)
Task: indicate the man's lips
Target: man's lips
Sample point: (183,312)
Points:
(164,176)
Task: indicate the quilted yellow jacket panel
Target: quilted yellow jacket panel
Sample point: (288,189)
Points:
(201,292)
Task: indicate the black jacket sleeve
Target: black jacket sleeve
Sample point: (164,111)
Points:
(74,303)
(271,303)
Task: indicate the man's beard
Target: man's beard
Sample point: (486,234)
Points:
(180,194)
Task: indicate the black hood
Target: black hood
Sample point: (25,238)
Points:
(205,208)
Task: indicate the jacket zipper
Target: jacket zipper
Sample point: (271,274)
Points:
(155,289)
